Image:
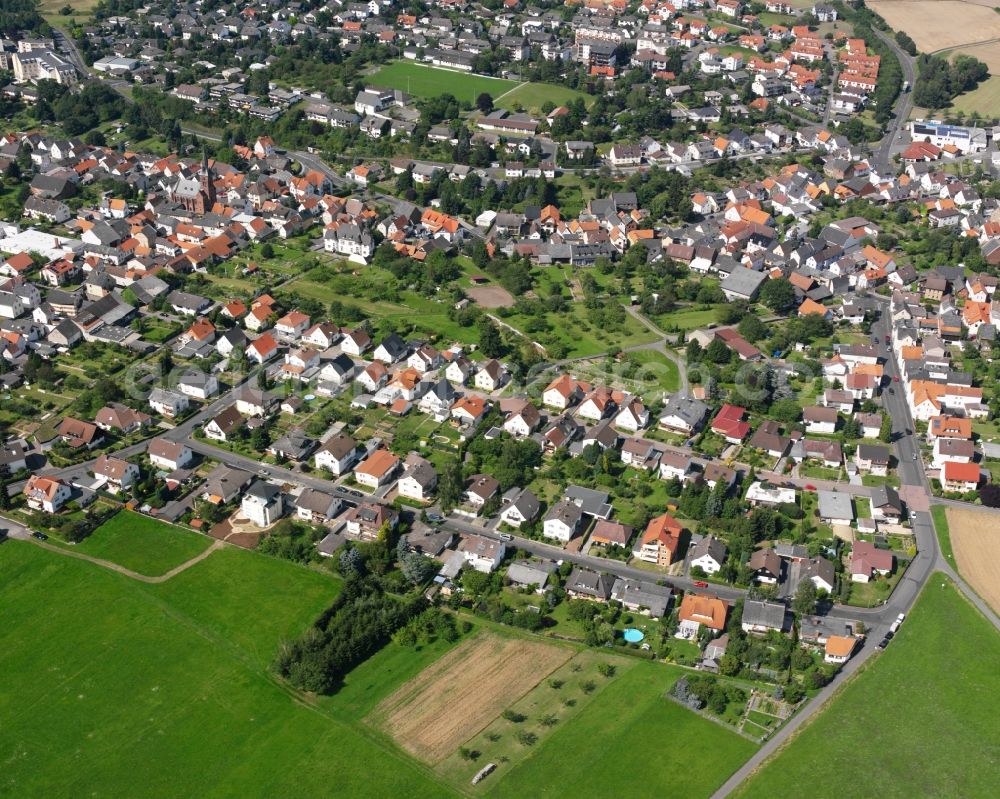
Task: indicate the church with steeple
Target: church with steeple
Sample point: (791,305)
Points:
(196,195)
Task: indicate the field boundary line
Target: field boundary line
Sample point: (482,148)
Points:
(117,567)
(511,91)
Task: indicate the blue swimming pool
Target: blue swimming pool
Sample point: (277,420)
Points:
(633,636)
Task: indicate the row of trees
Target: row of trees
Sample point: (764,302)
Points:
(941,80)
(360,621)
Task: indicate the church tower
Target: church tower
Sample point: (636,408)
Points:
(207,184)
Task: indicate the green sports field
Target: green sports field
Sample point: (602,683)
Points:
(421,80)
(919,721)
(142,544)
(532,96)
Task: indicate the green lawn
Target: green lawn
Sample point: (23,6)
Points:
(118,688)
(630,740)
(656,368)
(940,514)
(532,96)
(421,80)
(686,319)
(919,721)
(144,545)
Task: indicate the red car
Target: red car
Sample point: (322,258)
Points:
(700,584)
(810,487)
(895,378)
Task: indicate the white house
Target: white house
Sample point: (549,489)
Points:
(708,553)
(458,370)
(47,494)
(262,503)
(199,385)
(483,554)
(419,478)
(562,521)
(377,469)
(336,454)
(119,474)
(168,403)
(170,455)
(490,376)
(524,509)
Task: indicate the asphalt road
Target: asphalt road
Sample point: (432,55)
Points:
(894,138)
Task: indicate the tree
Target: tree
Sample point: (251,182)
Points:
(778,294)
(351,563)
(718,352)
(490,341)
(416,568)
(804,602)
(885,431)
(451,486)
(4,496)
(484,102)
(989,495)
(786,410)
(752,329)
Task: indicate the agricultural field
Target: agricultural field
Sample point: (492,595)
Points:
(630,740)
(143,545)
(421,80)
(975,538)
(119,688)
(456,697)
(532,96)
(939,24)
(983,100)
(920,720)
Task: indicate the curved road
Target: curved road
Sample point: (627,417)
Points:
(882,156)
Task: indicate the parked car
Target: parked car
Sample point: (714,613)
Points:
(39,536)
(700,584)
(506,537)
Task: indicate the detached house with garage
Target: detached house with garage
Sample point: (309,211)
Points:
(483,554)
(169,455)
(707,553)
(419,478)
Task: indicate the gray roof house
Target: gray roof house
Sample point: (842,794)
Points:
(643,596)
(760,616)
(591,502)
(835,507)
(589,585)
(743,284)
(683,414)
(531,572)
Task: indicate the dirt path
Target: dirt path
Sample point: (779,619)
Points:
(143,578)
